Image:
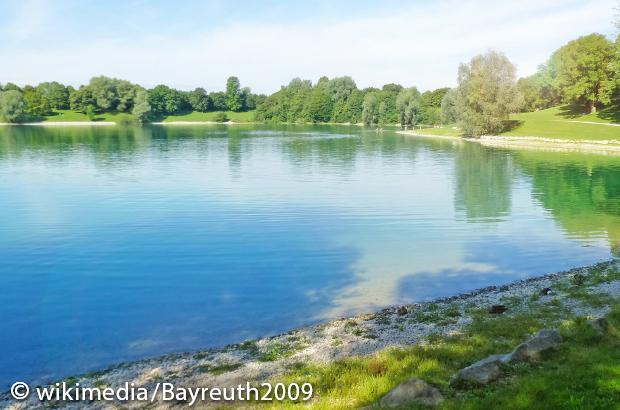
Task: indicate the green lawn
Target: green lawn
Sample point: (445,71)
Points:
(74,116)
(583,374)
(556,122)
(247,116)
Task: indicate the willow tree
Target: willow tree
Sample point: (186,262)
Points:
(486,94)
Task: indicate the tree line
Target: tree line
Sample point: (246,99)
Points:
(105,94)
(339,100)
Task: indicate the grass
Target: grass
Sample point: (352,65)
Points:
(122,118)
(247,116)
(583,374)
(555,122)
(74,116)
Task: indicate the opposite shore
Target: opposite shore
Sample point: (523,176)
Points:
(552,299)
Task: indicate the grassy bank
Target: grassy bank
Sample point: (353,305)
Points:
(195,116)
(584,373)
(122,118)
(562,122)
(74,116)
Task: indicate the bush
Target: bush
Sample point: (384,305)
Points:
(220,117)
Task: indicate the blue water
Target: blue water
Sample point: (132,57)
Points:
(124,243)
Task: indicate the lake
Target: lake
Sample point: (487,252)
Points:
(123,243)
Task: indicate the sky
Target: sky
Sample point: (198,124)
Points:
(188,44)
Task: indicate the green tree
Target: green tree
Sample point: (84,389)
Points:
(56,94)
(487,94)
(233,94)
(408,104)
(103,90)
(319,106)
(370,109)
(12,105)
(166,101)
(449,109)
(81,98)
(35,103)
(142,108)
(430,106)
(583,71)
(218,101)
(199,100)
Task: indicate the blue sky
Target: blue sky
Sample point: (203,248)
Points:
(199,43)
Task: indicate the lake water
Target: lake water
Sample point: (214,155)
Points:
(123,243)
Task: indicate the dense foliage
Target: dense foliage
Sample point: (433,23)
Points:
(486,94)
(105,94)
(339,100)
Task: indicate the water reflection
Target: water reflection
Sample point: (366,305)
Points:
(119,243)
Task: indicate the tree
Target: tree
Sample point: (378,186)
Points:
(319,105)
(56,94)
(165,100)
(370,110)
(218,101)
(11,105)
(449,110)
(487,94)
(429,112)
(35,103)
(199,100)
(142,108)
(408,104)
(233,94)
(583,71)
(81,98)
(103,90)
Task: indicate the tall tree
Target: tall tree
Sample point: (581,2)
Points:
(408,104)
(11,105)
(233,94)
(35,103)
(142,108)
(56,94)
(199,100)
(487,93)
(583,71)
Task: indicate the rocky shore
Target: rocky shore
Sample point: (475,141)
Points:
(266,359)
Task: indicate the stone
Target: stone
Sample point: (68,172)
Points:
(410,391)
(497,309)
(402,311)
(479,373)
(599,325)
(543,341)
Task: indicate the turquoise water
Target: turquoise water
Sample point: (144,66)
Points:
(123,243)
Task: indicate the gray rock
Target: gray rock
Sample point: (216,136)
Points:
(543,341)
(482,372)
(412,390)
(599,325)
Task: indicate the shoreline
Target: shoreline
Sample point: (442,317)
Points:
(270,357)
(530,142)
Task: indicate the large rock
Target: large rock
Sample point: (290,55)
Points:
(543,341)
(412,390)
(482,372)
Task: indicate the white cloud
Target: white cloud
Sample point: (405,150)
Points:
(421,46)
